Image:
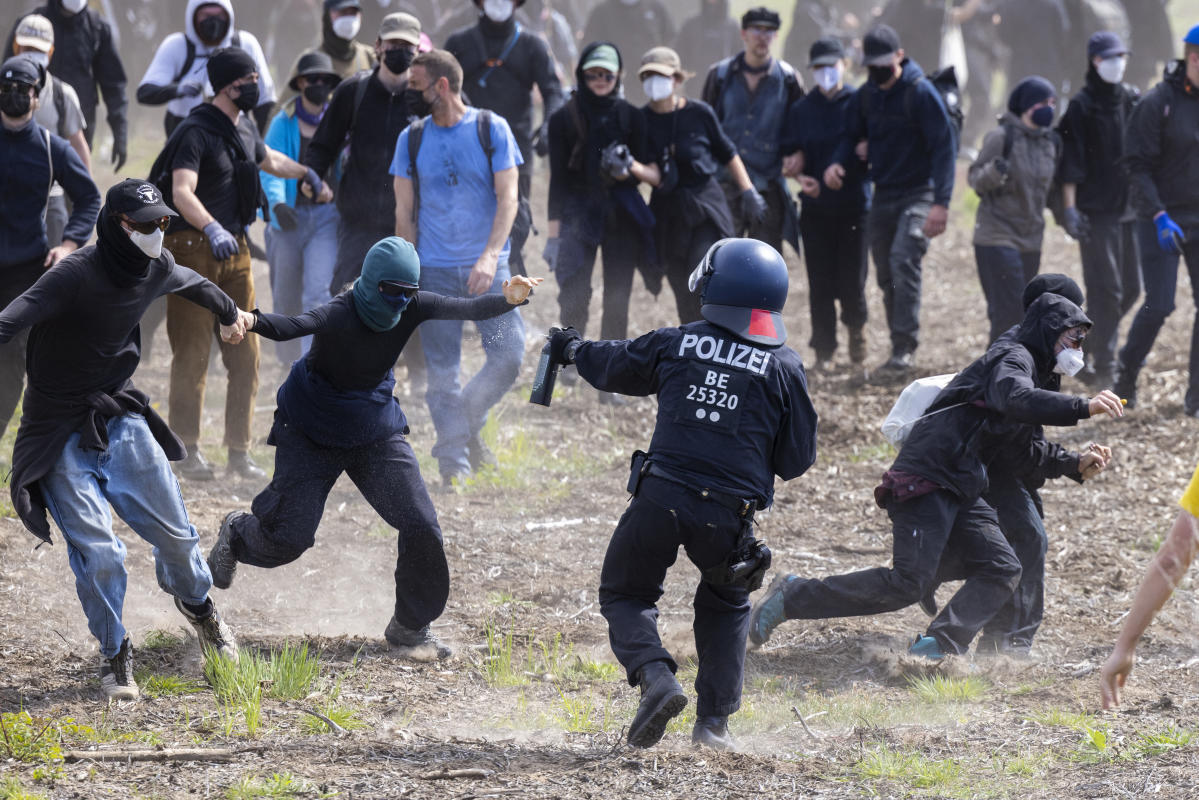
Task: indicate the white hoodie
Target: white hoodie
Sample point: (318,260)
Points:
(172,54)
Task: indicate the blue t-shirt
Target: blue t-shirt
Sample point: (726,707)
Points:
(457,189)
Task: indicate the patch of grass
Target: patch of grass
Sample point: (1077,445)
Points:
(11,789)
(574,712)
(944,689)
(525,460)
(505,664)
(33,740)
(911,768)
(1020,765)
(878,452)
(279,784)
(293,672)
(160,640)
(1058,718)
(1149,745)
(507,599)
(153,684)
(345,718)
(381,530)
(1096,744)
(509,662)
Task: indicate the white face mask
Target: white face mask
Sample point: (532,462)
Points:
(347,27)
(658,87)
(827,78)
(74,6)
(148,243)
(1112,69)
(1069,361)
(498,10)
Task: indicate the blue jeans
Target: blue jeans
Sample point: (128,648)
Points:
(1160,272)
(135,477)
(1003,273)
(301,268)
(459,412)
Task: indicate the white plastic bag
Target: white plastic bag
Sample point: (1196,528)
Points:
(913,402)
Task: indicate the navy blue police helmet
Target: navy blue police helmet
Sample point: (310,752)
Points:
(743,288)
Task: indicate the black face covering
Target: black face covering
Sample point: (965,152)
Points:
(16,103)
(397,60)
(124,261)
(415,101)
(317,93)
(213,29)
(880,75)
(248,99)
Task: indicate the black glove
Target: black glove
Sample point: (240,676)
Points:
(119,145)
(550,253)
(616,160)
(541,142)
(1001,166)
(561,341)
(285,215)
(1076,224)
(753,205)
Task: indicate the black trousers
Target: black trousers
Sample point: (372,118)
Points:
(621,250)
(835,253)
(1015,624)
(895,227)
(1111,270)
(16,280)
(285,515)
(680,262)
(522,226)
(662,517)
(935,538)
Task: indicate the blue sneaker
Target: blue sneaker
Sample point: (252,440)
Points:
(926,647)
(768,612)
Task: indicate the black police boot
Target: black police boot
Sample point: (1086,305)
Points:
(661,700)
(712,732)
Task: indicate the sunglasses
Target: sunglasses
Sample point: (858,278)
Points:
(397,289)
(148,227)
(599,77)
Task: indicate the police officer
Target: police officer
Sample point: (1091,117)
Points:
(733,412)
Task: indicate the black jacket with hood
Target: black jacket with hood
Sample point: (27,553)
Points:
(1092,131)
(1159,149)
(992,400)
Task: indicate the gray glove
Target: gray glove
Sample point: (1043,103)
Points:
(223,244)
(1076,224)
(189,89)
(753,205)
(616,160)
(550,253)
(1001,166)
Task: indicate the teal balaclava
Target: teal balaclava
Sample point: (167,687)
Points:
(391,259)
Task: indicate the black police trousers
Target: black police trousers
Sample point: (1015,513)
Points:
(935,537)
(661,517)
(285,515)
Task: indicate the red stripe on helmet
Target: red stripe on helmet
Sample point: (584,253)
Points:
(761,323)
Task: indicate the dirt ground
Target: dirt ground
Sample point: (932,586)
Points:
(540,714)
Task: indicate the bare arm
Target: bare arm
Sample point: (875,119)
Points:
(183,188)
(1165,572)
(505,213)
(1069,194)
(405,225)
(646,173)
(737,171)
(281,166)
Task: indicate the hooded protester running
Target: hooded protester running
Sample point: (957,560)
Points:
(942,528)
(336,413)
(177,76)
(598,154)
(88,438)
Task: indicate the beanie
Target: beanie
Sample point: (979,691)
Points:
(228,65)
(1028,92)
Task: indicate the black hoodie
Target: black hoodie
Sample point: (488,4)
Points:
(978,411)
(1092,131)
(1159,149)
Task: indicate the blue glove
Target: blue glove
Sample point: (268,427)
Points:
(1169,236)
(223,244)
(314,181)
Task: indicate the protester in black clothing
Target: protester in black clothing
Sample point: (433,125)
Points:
(690,210)
(634,26)
(750,93)
(85,56)
(32,159)
(710,35)
(599,152)
(88,438)
(336,413)
(367,113)
(833,223)
(733,412)
(941,528)
(1159,155)
(912,146)
(1095,197)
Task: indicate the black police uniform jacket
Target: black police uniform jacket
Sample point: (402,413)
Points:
(993,401)
(731,414)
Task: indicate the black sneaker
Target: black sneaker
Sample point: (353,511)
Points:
(420,645)
(662,700)
(211,630)
(479,454)
(243,466)
(116,675)
(222,563)
(898,363)
(712,732)
(194,467)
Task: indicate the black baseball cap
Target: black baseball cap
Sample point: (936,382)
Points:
(879,45)
(763,16)
(21,69)
(137,199)
(825,52)
(337,5)
(1105,44)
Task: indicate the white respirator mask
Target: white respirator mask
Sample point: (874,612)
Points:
(1069,361)
(828,77)
(1112,69)
(347,27)
(498,10)
(74,6)
(658,87)
(148,243)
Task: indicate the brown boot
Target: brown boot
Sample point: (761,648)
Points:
(857,345)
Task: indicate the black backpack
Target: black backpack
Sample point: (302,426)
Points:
(191,54)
